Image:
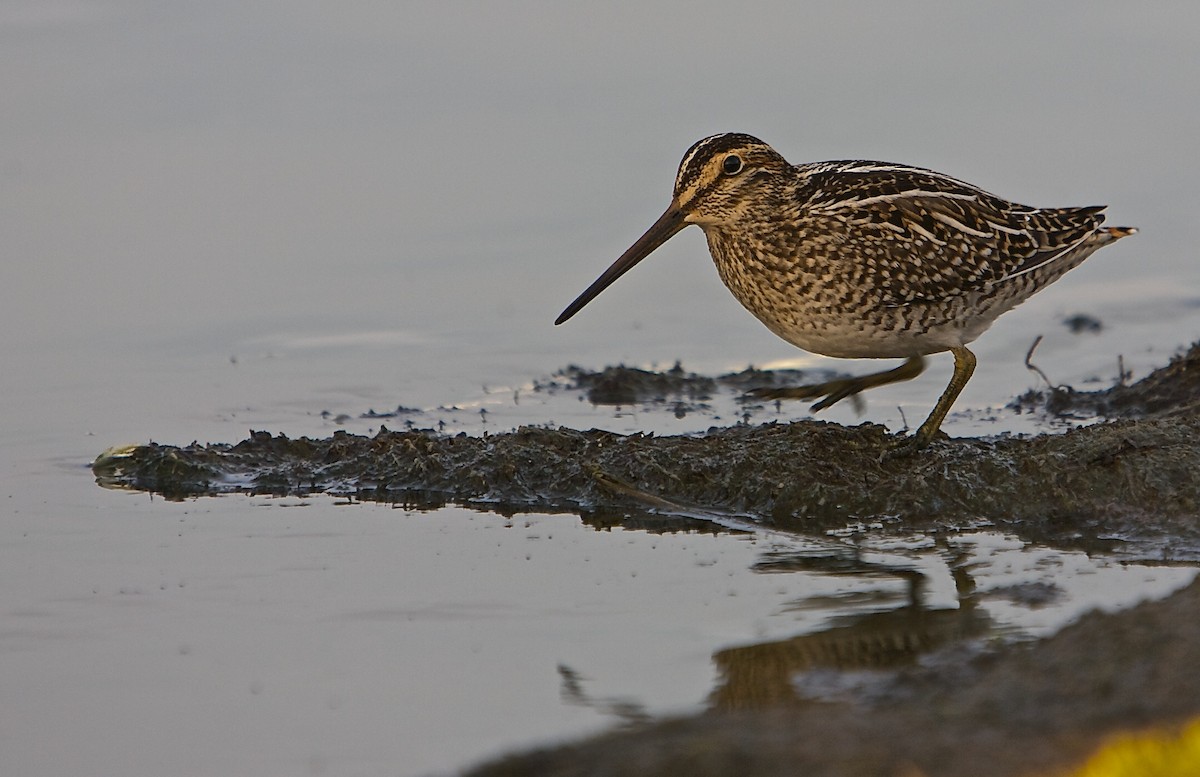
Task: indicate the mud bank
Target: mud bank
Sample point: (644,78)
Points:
(1028,710)
(1127,484)
(1034,709)
(1173,390)
(1130,480)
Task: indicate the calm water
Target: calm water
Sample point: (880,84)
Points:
(228,216)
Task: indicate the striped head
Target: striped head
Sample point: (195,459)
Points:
(719,178)
(723,174)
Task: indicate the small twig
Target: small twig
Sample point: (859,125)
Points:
(903,420)
(1033,367)
(1122,375)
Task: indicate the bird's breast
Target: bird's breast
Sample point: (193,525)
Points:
(802,289)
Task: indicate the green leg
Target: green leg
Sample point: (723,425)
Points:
(837,390)
(964,366)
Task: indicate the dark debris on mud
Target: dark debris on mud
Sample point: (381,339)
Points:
(1132,478)
(1170,391)
(682,391)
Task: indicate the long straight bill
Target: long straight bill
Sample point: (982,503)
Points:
(667,225)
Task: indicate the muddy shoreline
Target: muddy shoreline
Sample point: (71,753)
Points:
(1128,480)
(1026,710)
(1126,484)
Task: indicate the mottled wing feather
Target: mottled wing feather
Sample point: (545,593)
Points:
(918,236)
(1058,231)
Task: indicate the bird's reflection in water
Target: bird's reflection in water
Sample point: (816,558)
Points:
(772,673)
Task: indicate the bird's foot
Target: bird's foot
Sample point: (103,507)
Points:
(832,391)
(902,448)
(908,445)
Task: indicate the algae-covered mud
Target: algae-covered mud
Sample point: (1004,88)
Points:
(1128,480)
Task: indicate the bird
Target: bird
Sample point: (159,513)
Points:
(864,259)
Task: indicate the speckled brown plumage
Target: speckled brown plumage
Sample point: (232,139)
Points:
(861,259)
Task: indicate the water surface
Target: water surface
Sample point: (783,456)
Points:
(230,216)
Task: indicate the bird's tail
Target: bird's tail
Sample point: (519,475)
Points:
(1116,233)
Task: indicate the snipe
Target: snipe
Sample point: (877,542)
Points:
(859,259)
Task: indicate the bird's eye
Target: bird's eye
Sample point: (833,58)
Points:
(732,164)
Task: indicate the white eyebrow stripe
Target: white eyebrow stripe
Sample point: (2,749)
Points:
(699,147)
